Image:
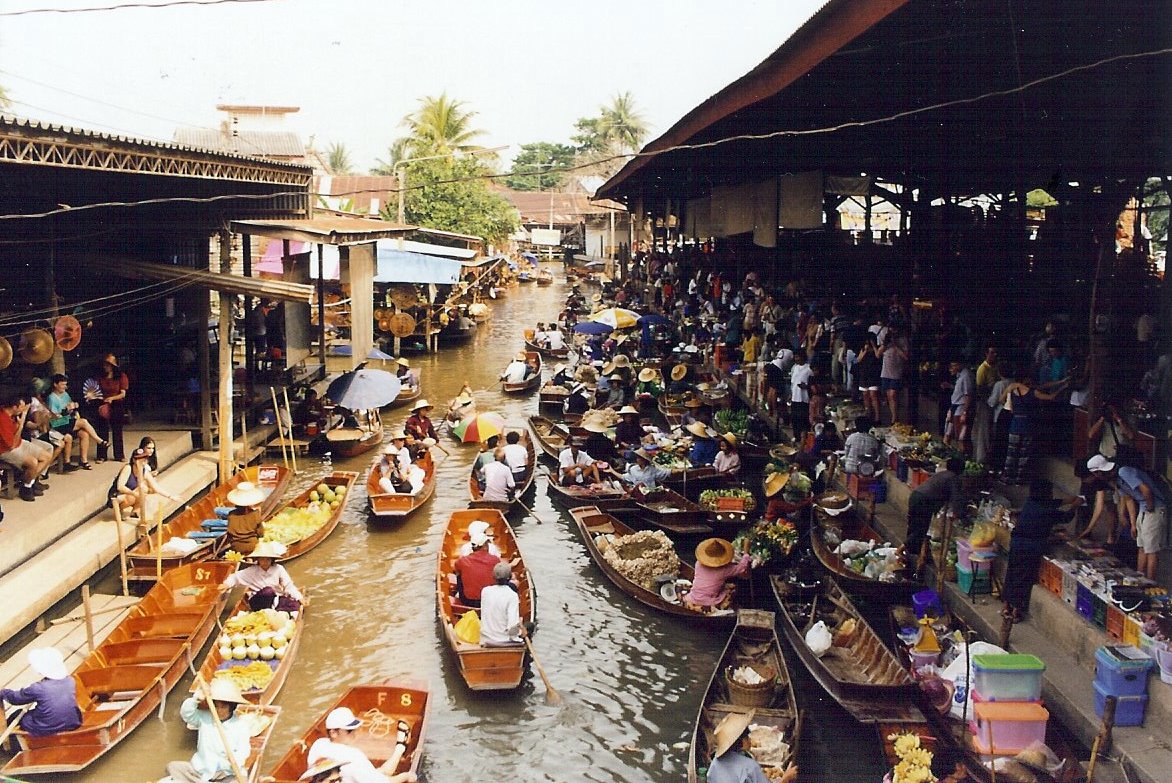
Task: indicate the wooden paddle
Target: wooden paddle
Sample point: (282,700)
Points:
(532,513)
(552,697)
(15,717)
(206,692)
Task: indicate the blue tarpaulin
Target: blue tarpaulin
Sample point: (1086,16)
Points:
(400,266)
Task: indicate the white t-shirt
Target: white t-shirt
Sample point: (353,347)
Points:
(498,480)
(516,456)
(799,374)
(500,616)
(556,340)
(515,372)
(566,458)
(357,767)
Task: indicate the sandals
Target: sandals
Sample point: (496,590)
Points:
(85,466)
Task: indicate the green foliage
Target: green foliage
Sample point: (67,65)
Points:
(1156,195)
(440,126)
(531,168)
(617,130)
(465,205)
(338,159)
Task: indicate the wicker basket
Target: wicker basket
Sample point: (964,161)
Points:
(751,695)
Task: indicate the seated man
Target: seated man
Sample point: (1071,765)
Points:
(53,697)
(216,739)
(517,370)
(643,472)
(861,446)
(498,479)
(475,528)
(554,338)
(311,410)
(24,455)
(561,376)
(500,610)
(516,455)
(578,402)
(474,571)
(575,466)
(341,744)
(704,448)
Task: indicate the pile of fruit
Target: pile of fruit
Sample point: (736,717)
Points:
(254,676)
(665,459)
(767,541)
(710,497)
(263,636)
(293,523)
(736,422)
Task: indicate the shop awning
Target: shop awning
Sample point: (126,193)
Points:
(216,281)
(400,266)
(479,262)
(325,229)
(442,251)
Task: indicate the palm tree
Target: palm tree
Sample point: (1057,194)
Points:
(440,126)
(338,159)
(622,125)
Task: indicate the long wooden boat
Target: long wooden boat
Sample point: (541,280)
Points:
(602,497)
(671,407)
(144,560)
(346,442)
(397,506)
(690,482)
(387,710)
(544,277)
(122,682)
(593,523)
(848,526)
(862,675)
(483,668)
(262,719)
(407,394)
(214,662)
(552,396)
(553,353)
(551,436)
(300,540)
(530,383)
(523,482)
(753,643)
(670,511)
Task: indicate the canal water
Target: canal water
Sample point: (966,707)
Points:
(631,680)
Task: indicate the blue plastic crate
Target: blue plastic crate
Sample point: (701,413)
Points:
(1122,670)
(1129,710)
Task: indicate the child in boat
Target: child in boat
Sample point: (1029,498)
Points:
(266,582)
(53,697)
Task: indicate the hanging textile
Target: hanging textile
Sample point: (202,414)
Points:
(800,202)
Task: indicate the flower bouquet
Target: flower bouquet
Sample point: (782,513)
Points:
(767,541)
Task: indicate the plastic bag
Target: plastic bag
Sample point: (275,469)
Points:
(983,535)
(958,674)
(468,628)
(818,639)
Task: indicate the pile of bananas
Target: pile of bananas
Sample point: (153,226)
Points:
(253,676)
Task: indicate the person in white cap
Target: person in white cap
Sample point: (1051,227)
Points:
(479,527)
(211,761)
(341,745)
(266,582)
(54,696)
(245,524)
(738,767)
(418,425)
(500,610)
(399,471)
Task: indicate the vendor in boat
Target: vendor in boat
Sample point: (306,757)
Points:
(311,410)
(341,744)
(418,425)
(696,411)
(731,762)
(500,610)
(643,472)
(399,450)
(777,506)
(578,402)
(211,761)
(561,376)
(576,466)
(616,395)
(554,339)
(649,383)
(323,770)
(499,483)
(597,444)
(587,373)
(518,370)
(462,406)
(704,449)
(679,379)
(53,698)
(714,567)
(266,583)
(245,523)
(405,374)
(392,478)
(1031,535)
(727,461)
(135,476)
(628,433)
(474,571)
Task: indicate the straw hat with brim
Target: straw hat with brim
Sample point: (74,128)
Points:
(774,483)
(698,429)
(246,494)
(270,549)
(5,353)
(520,356)
(678,372)
(703,386)
(320,767)
(403,362)
(714,552)
(342,718)
(623,411)
(622,360)
(616,377)
(646,375)
(729,730)
(47,662)
(608,368)
(420,405)
(226,691)
(693,402)
(732,439)
(397,434)
(643,454)
(593,426)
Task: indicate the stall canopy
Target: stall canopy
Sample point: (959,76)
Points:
(401,266)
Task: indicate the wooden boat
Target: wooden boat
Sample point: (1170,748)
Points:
(397,506)
(553,353)
(262,719)
(122,682)
(753,643)
(215,661)
(552,396)
(523,482)
(592,522)
(670,511)
(307,540)
(530,383)
(690,482)
(407,394)
(483,668)
(862,676)
(848,526)
(143,560)
(545,277)
(385,709)
(345,442)
(602,497)
(550,436)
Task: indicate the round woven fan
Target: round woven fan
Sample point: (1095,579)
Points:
(67,332)
(90,390)
(5,353)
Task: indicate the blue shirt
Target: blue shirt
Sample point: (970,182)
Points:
(56,706)
(649,476)
(210,758)
(735,767)
(703,452)
(1131,479)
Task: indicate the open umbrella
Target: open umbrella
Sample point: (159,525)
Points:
(363,389)
(592,327)
(654,318)
(616,317)
(479,428)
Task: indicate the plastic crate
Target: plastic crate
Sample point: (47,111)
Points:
(1009,727)
(1084,603)
(974,584)
(1131,628)
(1114,625)
(1008,676)
(1050,577)
(1122,670)
(1129,710)
(1069,588)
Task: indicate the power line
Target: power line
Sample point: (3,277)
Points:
(121,6)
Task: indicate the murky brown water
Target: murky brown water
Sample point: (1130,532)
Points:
(632,680)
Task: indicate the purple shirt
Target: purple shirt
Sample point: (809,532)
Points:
(708,585)
(56,706)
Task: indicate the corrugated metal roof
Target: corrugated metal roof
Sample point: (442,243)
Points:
(283,144)
(535,206)
(326,229)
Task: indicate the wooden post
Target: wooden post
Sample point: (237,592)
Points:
(280,432)
(225,363)
(249,304)
(321,307)
(89,617)
(158,540)
(942,566)
(203,353)
(121,547)
(281,429)
(1102,743)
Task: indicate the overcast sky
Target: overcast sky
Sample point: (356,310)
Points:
(356,67)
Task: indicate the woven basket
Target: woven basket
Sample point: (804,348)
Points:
(751,695)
